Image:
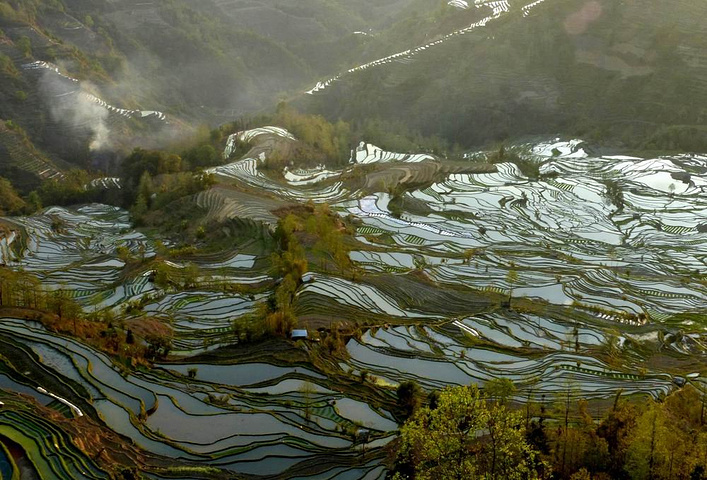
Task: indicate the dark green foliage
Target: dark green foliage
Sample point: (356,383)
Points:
(158,347)
(129,474)
(202,156)
(24,44)
(153,179)
(398,136)
(141,161)
(10,201)
(466,436)
(614,194)
(68,190)
(409,398)
(330,142)
(7,67)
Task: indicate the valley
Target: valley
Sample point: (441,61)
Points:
(362,239)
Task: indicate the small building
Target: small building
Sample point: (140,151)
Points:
(301,334)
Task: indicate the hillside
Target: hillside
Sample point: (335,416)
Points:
(630,72)
(90,80)
(353,239)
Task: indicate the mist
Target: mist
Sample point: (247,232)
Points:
(74,105)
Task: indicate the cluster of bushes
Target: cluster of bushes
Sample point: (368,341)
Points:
(7,67)
(74,187)
(396,136)
(291,264)
(303,233)
(60,313)
(465,433)
(614,193)
(10,201)
(331,143)
(331,140)
(153,179)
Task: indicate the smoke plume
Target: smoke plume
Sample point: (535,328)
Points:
(73,105)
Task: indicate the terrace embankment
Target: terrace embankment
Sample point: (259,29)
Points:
(403,176)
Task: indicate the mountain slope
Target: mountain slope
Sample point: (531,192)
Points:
(634,72)
(89,79)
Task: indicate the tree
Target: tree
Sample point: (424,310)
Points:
(648,450)
(8,286)
(61,303)
(146,186)
(582,474)
(512,279)
(308,391)
(24,44)
(158,346)
(285,293)
(139,210)
(68,190)
(591,451)
(617,429)
(465,437)
(202,156)
(10,201)
(500,389)
(469,254)
(409,397)
(281,322)
(190,275)
(34,202)
(162,275)
(566,439)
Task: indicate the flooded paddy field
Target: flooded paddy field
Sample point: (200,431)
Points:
(588,276)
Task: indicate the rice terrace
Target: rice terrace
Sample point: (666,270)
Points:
(317,290)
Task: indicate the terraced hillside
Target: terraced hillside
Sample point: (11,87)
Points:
(584,275)
(21,160)
(89,81)
(472,73)
(626,72)
(254,314)
(58,113)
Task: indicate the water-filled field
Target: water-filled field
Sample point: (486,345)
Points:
(589,277)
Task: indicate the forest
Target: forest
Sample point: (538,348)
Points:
(463,432)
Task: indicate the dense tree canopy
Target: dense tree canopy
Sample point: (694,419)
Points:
(470,434)
(466,437)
